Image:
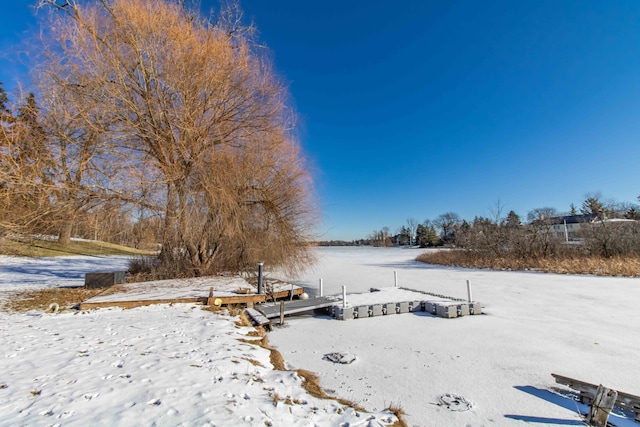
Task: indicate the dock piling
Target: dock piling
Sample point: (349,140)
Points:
(260,291)
(344,296)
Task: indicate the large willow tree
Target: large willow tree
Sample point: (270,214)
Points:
(195,112)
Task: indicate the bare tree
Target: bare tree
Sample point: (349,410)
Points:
(25,189)
(541,214)
(201,110)
(412,225)
(447,222)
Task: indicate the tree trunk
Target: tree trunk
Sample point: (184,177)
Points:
(64,237)
(168,235)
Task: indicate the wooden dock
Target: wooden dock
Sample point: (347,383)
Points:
(220,291)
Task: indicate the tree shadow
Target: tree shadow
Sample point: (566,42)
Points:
(567,400)
(545,421)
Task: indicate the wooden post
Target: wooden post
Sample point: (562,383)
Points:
(321,289)
(395,278)
(291,294)
(601,406)
(344,296)
(282,312)
(469,290)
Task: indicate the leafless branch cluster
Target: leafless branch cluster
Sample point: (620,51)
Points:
(146,104)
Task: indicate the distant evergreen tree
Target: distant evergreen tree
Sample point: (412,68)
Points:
(593,205)
(421,233)
(513,220)
(404,237)
(432,238)
(573,210)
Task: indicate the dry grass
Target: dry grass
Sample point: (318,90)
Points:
(244,319)
(276,359)
(398,411)
(311,383)
(617,266)
(41,299)
(33,247)
(254,362)
(275,398)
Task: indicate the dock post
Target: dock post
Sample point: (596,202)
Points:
(469,291)
(291,295)
(282,312)
(601,407)
(395,278)
(260,290)
(321,289)
(344,296)
(210,298)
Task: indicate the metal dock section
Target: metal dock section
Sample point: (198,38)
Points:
(271,311)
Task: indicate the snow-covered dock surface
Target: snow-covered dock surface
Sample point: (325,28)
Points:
(394,295)
(182,289)
(206,290)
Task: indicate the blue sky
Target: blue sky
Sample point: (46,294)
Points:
(417,108)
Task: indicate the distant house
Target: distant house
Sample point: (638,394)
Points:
(566,227)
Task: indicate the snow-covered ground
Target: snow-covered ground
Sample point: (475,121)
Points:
(535,324)
(179,365)
(17,273)
(160,365)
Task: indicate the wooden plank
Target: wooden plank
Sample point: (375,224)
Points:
(138,303)
(623,401)
(236,299)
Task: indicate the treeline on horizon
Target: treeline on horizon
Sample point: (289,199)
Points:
(600,232)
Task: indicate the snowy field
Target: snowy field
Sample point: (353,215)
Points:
(151,366)
(179,365)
